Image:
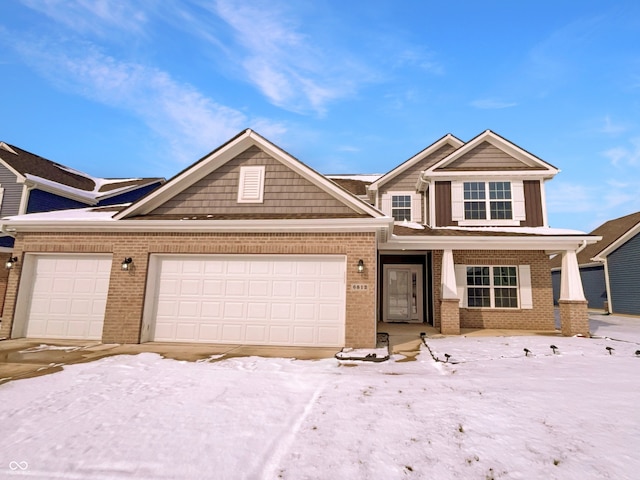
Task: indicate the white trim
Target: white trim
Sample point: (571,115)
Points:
(524,287)
(461,284)
(24,199)
(516,189)
(227,152)
(492,287)
(543,200)
(498,142)
(213,226)
(448,139)
(251,184)
(1,195)
(550,244)
(632,232)
(607,283)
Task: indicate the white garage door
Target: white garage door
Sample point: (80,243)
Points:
(264,300)
(68,296)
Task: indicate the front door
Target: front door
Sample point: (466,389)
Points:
(402,300)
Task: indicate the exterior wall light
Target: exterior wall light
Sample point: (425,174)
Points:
(360,266)
(11,262)
(127,264)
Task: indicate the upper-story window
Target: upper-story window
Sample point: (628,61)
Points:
(401,207)
(477,203)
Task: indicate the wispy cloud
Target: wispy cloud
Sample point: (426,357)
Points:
(492,104)
(284,63)
(564,197)
(99,17)
(611,128)
(624,155)
(187,120)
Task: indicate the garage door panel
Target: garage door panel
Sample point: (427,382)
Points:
(250,299)
(282,288)
(231,333)
(328,335)
(210,310)
(256,333)
(168,286)
(257,311)
(190,287)
(212,287)
(303,335)
(233,310)
(305,312)
(258,288)
(188,309)
(236,287)
(237,267)
(307,289)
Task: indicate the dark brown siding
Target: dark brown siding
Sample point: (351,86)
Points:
(285,192)
(532,204)
(443,205)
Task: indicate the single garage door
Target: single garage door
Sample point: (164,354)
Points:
(68,296)
(260,300)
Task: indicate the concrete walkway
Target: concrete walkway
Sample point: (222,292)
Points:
(24,358)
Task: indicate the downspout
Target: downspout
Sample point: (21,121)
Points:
(581,247)
(608,286)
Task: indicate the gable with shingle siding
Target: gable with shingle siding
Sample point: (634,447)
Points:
(285,192)
(406,181)
(487,157)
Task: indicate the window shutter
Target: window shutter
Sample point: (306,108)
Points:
(416,208)
(251,185)
(517,193)
(526,294)
(385,202)
(461,283)
(457,201)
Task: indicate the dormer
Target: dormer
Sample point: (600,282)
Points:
(487,182)
(398,193)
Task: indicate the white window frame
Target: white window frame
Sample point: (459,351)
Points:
(251,184)
(517,203)
(415,208)
(522,283)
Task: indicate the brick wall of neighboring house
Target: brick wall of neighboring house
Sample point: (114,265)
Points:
(540,317)
(125,301)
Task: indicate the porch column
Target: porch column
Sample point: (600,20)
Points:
(574,318)
(449,301)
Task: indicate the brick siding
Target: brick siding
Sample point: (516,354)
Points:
(125,302)
(541,317)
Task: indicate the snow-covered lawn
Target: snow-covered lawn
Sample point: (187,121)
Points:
(496,413)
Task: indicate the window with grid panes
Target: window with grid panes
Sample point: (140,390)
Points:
(492,287)
(401,207)
(498,203)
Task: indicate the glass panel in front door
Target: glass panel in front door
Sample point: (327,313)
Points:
(399,295)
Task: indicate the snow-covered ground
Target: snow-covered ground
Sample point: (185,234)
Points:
(491,412)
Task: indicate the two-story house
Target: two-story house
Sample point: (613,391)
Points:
(251,246)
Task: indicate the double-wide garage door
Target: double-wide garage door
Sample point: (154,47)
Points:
(262,299)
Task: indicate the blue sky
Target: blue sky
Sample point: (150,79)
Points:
(122,88)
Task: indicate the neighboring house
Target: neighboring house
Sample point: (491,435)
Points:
(30,184)
(251,246)
(592,270)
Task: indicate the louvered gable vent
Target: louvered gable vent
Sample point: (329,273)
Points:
(251,186)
